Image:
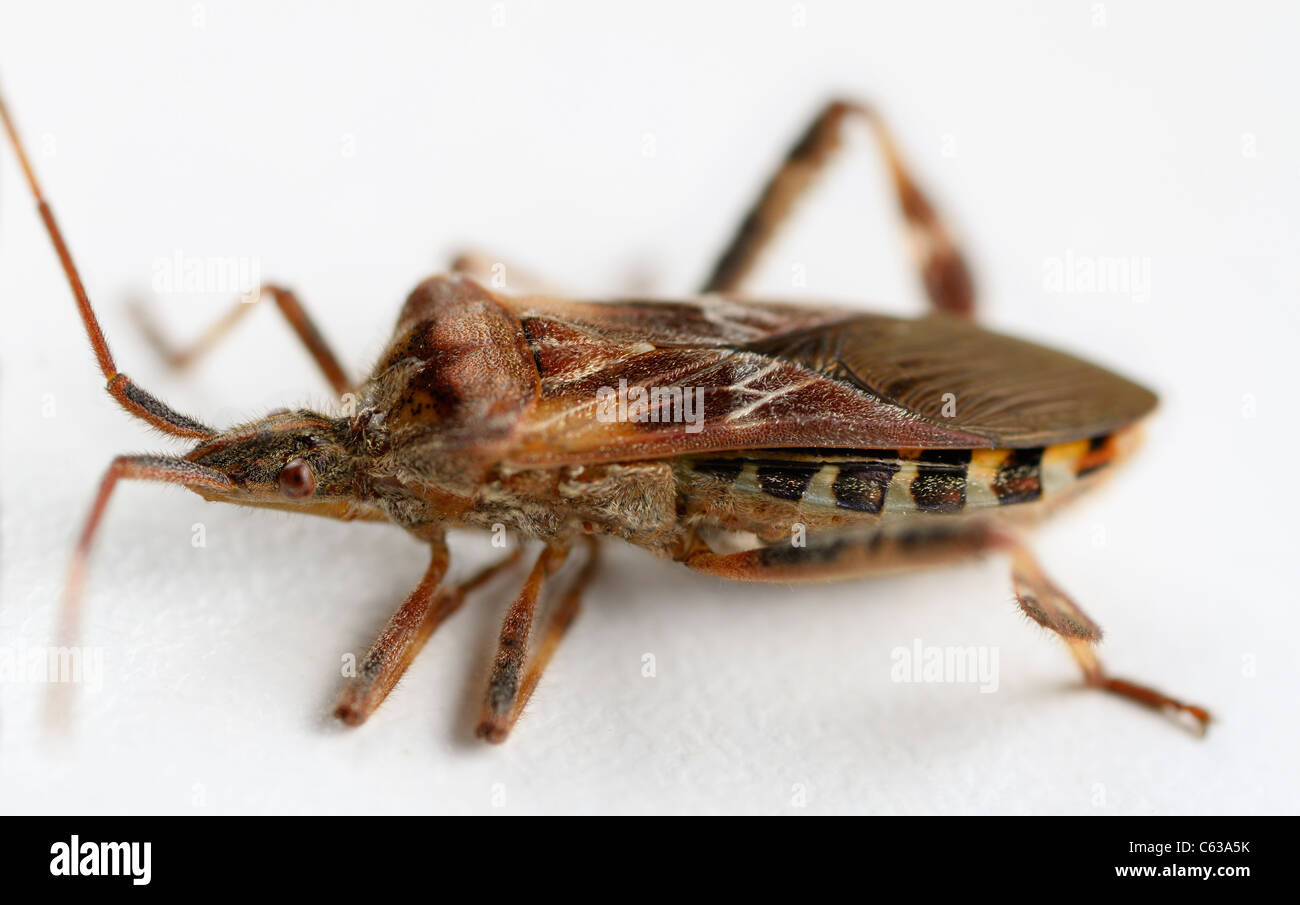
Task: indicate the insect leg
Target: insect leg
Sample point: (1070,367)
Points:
(947,278)
(289,306)
(135,400)
(139,468)
(565,612)
(507,692)
(427,607)
(494,273)
(856,555)
(1049,606)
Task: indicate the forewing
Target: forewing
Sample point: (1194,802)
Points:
(771,376)
(1012,392)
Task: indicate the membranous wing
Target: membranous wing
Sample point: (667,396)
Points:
(636,380)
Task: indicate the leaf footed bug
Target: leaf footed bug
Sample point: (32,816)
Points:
(492,411)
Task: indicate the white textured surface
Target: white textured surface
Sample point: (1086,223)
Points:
(1041,133)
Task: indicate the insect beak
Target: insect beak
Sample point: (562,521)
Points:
(334,508)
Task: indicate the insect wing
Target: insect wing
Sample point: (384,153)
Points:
(1011,392)
(635,380)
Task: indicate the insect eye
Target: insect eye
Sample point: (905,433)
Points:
(296,479)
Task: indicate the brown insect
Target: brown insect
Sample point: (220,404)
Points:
(752,440)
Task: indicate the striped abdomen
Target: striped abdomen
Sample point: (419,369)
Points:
(746,491)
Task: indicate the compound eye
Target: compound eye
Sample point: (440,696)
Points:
(296,479)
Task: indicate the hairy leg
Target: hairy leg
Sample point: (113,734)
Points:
(942,266)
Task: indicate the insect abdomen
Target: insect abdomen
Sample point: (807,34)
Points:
(852,485)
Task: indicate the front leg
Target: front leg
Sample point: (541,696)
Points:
(427,607)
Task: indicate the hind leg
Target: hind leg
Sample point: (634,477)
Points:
(1049,606)
(858,555)
(943,268)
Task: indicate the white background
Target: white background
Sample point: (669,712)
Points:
(348,151)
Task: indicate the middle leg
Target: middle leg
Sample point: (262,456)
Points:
(512,682)
(292,309)
(495,274)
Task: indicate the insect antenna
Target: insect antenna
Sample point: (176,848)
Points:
(162,469)
(131,397)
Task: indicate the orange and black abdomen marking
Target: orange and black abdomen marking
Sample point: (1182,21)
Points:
(1101,451)
(874,482)
(1019,479)
(724,470)
(940,482)
(862,486)
(787,480)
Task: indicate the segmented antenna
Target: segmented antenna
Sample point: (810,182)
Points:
(131,397)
